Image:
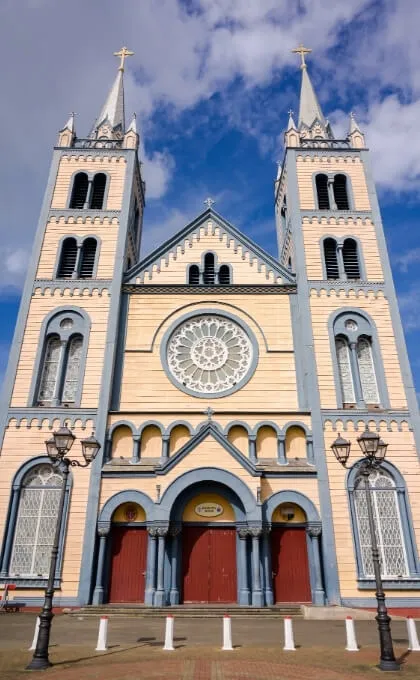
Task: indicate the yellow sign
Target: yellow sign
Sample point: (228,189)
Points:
(209,509)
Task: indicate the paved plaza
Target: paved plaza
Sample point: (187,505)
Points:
(135,650)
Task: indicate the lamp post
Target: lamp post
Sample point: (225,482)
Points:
(374,450)
(57,447)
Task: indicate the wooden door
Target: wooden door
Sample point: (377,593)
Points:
(289,560)
(209,564)
(128,564)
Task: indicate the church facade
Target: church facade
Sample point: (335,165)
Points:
(216,377)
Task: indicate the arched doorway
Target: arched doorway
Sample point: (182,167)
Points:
(209,569)
(128,554)
(289,555)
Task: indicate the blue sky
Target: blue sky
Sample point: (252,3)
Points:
(212,82)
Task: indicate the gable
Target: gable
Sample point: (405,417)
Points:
(249,263)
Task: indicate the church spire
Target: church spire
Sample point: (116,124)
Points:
(309,109)
(111,120)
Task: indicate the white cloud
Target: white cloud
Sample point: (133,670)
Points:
(409,304)
(13,266)
(405,260)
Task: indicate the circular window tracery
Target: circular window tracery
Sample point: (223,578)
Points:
(209,355)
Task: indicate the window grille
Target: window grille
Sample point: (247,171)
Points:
(367,371)
(351,259)
(80,190)
(87,258)
(331,260)
(194,275)
(49,375)
(321,182)
(208,276)
(36,522)
(388,527)
(72,370)
(98,191)
(340,192)
(345,372)
(224,275)
(68,259)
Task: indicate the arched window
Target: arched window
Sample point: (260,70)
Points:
(367,371)
(208,275)
(351,259)
(36,522)
(330,258)
(340,192)
(98,191)
(321,182)
(80,191)
(87,258)
(68,259)
(387,518)
(194,275)
(224,275)
(345,372)
(59,373)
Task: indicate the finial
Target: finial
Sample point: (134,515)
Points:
(133,125)
(209,202)
(302,51)
(291,112)
(209,412)
(123,54)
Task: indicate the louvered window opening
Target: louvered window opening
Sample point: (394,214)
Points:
(80,190)
(340,192)
(208,275)
(331,259)
(36,523)
(224,275)
(350,259)
(67,259)
(98,191)
(321,182)
(194,275)
(87,258)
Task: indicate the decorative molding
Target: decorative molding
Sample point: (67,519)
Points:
(360,419)
(75,286)
(344,288)
(37,415)
(73,216)
(233,289)
(91,154)
(338,153)
(337,217)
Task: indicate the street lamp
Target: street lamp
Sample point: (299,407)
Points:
(374,450)
(57,447)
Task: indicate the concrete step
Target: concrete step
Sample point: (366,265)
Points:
(188,612)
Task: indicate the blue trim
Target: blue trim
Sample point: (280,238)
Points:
(128,496)
(339,240)
(349,190)
(290,496)
(301,378)
(120,353)
(237,423)
(79,241)
(90,175)
(202,312)
(188,493)
(397,602)
(175,423)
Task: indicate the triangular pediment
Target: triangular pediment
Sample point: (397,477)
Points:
(168,263)
(209,431)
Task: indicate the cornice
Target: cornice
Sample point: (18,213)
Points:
(37,416)
(336,216)
(72,216)
(74,286)
(361,419)
(184,289)
(346,287)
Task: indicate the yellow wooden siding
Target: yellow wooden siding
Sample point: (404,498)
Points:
(402,453)
(190,514)
(308,487)
(122,442)
(350,165)
(114,166)
(180,435)
(314,230)
(295,443)
(96,306)
(151,442)
(266,442)
(377,307)
(238,436)
(55,230)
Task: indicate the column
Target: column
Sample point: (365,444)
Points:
(160,585)
(252,443)
(257,595)
(98,593)
(314,532)
(165,449)
(75,272)
(268,577)
(151,567)
(108,449)
(88,194)
(136,448)
(242,568)
(310,449)
(330,185)
(281,450)
(174,593)
(9,533)
(356,375)
(56,400)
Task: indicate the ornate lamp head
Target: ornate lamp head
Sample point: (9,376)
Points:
(63,440)
(90,448)
(341,449)
(369,444)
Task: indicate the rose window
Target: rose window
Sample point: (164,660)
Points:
(209,354)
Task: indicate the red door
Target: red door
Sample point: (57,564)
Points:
(128,564)
(209,564)
(289,561)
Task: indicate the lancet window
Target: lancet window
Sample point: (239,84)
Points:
(341,259)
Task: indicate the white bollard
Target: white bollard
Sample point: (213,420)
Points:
(169,634)
(289,641)
(102,635)
(36,633)
(351,645)
(413,640)
(227,633)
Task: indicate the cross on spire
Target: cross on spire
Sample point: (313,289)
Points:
(209,202)
(123,54)
(302,51)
